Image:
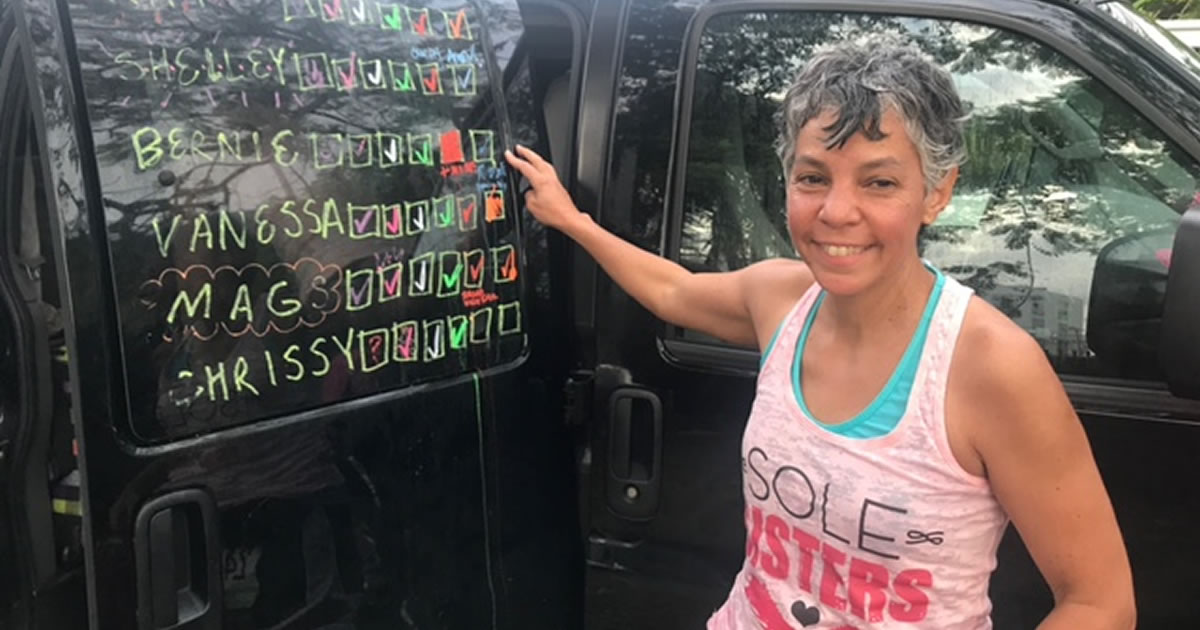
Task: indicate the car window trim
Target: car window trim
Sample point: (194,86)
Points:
(577,24)
(727,359)
(600,68)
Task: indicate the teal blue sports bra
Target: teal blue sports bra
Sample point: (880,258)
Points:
(885,412)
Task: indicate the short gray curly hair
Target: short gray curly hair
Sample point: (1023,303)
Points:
(858,81)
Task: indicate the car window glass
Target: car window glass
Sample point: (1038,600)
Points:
(305,203)
(1059,169)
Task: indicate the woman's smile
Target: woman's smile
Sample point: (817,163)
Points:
(839,250)
(834,255)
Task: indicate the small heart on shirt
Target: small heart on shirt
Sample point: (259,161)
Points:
(805,615)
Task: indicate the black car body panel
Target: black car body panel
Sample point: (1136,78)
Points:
(585,473)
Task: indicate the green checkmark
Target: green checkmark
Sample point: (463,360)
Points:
(450,281)
(403,83)
(458,333)
(393,21)
(445,216)
(423,155)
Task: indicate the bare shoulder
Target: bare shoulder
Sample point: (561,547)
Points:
(995,355)
(1002,386)
(772,288)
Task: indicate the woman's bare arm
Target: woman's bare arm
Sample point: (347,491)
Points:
(724,305)
(1040,467)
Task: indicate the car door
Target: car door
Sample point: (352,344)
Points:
(296,313)
(41,584)
(1083,155)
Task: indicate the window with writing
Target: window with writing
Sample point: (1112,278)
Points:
(305,199)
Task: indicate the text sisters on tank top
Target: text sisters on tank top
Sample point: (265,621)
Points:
(869,523)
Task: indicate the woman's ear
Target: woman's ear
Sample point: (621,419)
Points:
(939,197)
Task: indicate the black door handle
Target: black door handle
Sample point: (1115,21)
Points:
(178,563)
(635,446)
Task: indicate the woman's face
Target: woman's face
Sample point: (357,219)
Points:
(854,212)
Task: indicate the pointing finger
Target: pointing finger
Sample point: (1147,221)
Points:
(524,167)
(532,157)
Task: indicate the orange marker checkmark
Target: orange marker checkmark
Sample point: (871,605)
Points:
(456,26)
(509,269)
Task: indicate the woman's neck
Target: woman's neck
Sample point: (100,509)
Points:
(894,304)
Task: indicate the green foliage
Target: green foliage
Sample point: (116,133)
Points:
(1168,9)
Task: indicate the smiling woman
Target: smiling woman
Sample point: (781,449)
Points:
(876,391)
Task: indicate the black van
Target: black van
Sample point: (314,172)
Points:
(280,349)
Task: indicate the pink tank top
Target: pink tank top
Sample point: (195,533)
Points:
(854,534)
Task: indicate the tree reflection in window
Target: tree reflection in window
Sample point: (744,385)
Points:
(1058,166)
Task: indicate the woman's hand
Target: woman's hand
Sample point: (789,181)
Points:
(546,198)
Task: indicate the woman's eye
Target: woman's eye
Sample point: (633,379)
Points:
(881,183)
(810,180)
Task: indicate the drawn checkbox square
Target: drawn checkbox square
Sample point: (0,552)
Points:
(464,80)
(444,211)
(372,74)
(373,349)
(345,73)
(391,16)
(475,261)
(481,325)
(391,149)
(435,339)
(509,316)
(362,149)
(390,279)
(430,75)
(418,20)
(416,215)
(393,221)
(468,213)
(313,70)
(364,221)
(456,25)
(420,149)
(483,146)
(405,342)
(450,274)
(328,150)
(420,275)
(504,264)
(402,76)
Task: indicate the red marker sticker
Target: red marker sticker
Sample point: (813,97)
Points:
(452,150)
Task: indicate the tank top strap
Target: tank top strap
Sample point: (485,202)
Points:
(777,358)
(930,389)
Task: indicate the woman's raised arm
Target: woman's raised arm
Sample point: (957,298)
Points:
(724,305)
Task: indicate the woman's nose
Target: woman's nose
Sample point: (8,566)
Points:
(840,206)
